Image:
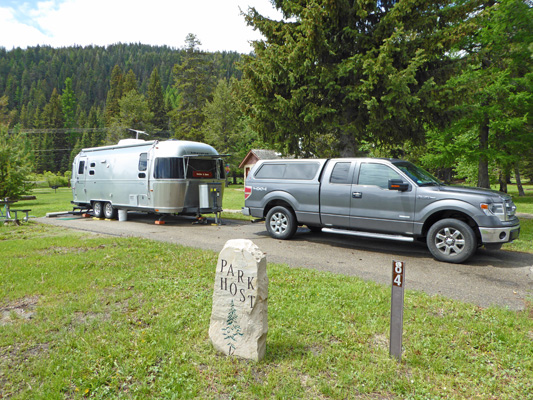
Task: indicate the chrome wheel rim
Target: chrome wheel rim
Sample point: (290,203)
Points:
(450,241)
(98,208)
(108,210)
(279,223)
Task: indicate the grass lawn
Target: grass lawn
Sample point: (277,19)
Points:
(85,316)
(50,200)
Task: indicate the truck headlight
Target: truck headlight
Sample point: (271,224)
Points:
(494,209)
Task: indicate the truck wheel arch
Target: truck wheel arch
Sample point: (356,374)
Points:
(454,214)
(276,203)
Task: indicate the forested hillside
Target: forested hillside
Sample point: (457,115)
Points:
(28,76)
(74,97)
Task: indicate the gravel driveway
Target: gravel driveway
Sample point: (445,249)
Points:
(499,278)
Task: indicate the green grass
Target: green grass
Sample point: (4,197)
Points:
(50,200)
(86,316)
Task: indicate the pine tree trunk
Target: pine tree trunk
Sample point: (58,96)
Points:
(505,177)
(483,180)
(503,182)
(518,181)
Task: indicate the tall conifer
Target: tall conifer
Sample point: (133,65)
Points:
(156,101)
(114,94)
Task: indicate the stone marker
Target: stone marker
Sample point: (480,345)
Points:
(239,319)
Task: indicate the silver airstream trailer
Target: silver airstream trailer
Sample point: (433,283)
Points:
(167,177)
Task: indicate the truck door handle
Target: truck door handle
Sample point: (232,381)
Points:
(357,195)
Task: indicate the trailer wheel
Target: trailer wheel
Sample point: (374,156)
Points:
(98,210)
(109,211)
(281,223)
(451,240)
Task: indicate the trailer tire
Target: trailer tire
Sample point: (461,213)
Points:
(109,211)
(451,240)
(281,223)
(98,209)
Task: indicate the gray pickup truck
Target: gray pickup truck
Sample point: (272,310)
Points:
(379,198)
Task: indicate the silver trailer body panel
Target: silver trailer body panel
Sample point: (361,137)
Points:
(161,177)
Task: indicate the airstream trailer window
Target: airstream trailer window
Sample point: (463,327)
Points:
(81,167)
(168,168)
(143,161)
(199,168)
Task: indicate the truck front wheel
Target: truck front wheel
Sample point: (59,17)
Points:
(451,240)
(281,223)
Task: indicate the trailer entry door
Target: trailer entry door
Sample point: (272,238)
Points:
(80,190)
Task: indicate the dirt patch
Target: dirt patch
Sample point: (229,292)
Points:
(22,309)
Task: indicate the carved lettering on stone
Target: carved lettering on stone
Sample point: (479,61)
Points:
(239,318)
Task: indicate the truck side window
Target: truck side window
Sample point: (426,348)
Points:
(376,175)
(271,171)
(341,173)
(81,167)
(143,161)
(301,171)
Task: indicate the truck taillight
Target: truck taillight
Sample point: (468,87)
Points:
(247,192)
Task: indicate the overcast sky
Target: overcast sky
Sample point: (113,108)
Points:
(59,23)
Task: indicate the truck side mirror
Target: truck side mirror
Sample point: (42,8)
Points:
(398,184)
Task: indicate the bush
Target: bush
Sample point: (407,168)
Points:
(15,164)
(57,179)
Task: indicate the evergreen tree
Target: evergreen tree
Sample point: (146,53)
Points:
(130,83)
(156,102)
(114,94)
(224,127)
(134,114)
(346,71)
(55,146)
(493,92)
(69,107)
(4,121)
(194,82)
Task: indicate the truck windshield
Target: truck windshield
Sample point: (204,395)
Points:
(417,174)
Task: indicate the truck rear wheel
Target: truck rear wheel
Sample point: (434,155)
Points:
(98,209)
(281,223)
(451,240)
(109,211)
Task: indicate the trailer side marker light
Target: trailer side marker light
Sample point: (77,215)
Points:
(160,222)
